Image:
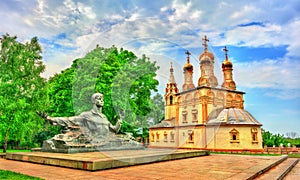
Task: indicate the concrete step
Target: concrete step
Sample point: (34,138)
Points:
(294,174)
(279,171)
(2,155)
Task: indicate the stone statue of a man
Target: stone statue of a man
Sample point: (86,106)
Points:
(89,129)
(93,121)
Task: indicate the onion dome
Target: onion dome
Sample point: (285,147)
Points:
(226,63)
(232,116)
(206,55)
(188,66)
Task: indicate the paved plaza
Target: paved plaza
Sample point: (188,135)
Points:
(214,166)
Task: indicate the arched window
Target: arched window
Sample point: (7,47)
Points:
(171,99)
(254,135)
(234,136)
(190,136)
(172,136)
(165,136)
(152,137)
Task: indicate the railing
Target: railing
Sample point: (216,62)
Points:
(282,150)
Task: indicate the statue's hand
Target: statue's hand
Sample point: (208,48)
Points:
(44,116)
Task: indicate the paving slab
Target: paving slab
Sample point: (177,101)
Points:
(214,167)
(105,160)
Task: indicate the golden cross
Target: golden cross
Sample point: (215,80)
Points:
(205,40)
(226,52)
(188,56)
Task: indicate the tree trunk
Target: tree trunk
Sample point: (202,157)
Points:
(5,141)
(18,144)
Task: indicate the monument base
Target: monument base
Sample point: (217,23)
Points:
(72,150)
(93,161)
(113,145)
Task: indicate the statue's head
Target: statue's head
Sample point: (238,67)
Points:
(97,99)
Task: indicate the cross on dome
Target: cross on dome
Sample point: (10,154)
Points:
(171,68)
(188,56)
(205,40)
(226,52)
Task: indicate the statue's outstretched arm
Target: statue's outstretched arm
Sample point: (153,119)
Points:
(60,121)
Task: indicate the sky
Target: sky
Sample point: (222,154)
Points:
(262,38)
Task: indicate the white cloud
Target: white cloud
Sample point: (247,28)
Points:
(89,23)
(281,77)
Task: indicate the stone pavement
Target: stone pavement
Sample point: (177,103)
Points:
(214,166)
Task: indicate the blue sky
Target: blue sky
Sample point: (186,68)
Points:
(262,37)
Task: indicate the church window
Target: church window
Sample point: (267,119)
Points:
(184,117)
(165,136)
(195,115)
(190,136)
(171,99)
(254,135)
(157,137)
(152,137)
(234,136)
(172,136)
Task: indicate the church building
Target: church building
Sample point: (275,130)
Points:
(206,116)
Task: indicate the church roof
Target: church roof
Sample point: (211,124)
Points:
(165,123)
(231,116)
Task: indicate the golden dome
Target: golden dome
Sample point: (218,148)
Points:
(206,54)
(188,66)
(226,63)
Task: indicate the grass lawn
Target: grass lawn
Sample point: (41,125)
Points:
(289,155)
(14,176)
(15,150)
(246,154)
(294,155)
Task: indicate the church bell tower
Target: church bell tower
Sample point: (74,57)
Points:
(171,90)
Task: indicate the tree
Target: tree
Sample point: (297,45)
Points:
(60,93)
(270,139)
(22,89)
(158,108)
(125,80)
(291,135)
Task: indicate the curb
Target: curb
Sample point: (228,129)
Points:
(2,155)
(288,170)
(284,157)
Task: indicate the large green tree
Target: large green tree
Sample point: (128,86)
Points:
(22,89)
(125,80)
(270,139)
